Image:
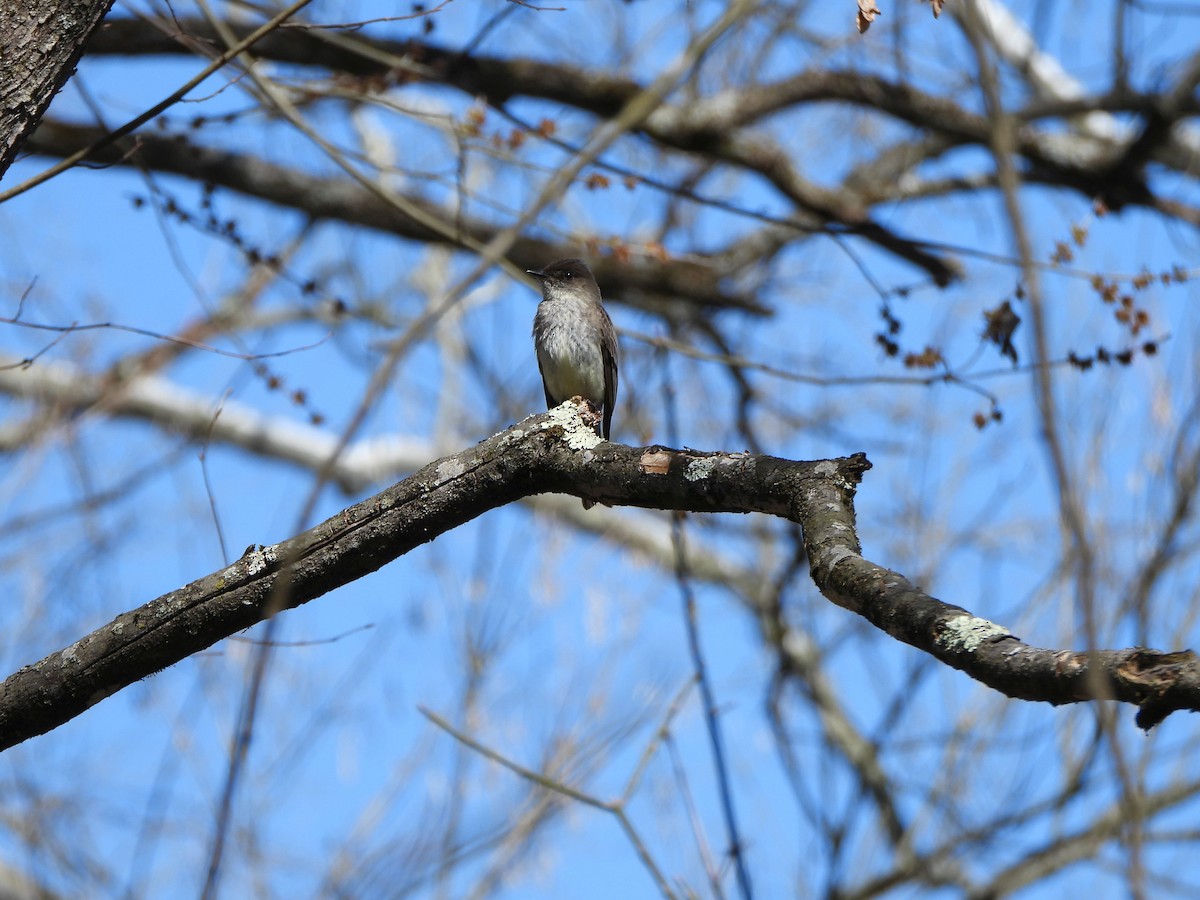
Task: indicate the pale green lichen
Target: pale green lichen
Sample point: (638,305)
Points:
(258,560)
(577,434)
(968,632)
(700,468)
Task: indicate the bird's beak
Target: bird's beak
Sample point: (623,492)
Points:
(534,273)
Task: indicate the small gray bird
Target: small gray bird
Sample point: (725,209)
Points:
(575,340)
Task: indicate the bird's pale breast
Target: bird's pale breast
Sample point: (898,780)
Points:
(569,350)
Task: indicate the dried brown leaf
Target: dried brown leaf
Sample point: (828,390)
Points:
(929,358)
(1002,324)
(867,13)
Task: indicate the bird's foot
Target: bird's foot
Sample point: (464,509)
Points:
(592,414)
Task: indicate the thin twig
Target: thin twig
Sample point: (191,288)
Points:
(550,784)
(707,696)
(138,121)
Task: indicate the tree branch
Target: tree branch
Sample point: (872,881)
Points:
(558,451)
(66,391)
(151,398)
(704,129)
(704,126)
(674,289)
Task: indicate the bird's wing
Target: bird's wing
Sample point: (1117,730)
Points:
(608,350)
(550,404)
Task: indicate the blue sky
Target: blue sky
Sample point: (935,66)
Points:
(589,634)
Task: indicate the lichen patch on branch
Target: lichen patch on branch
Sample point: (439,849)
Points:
(965,633)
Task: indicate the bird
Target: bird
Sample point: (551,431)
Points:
(575,342)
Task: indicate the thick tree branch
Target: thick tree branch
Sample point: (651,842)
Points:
(495,78)
(703,129)
(1163,117)
(1159,683)
(70,389)
(65,391)
(558,451)
(714,126)
(673,290)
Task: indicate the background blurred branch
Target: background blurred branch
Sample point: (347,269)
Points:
(543,454)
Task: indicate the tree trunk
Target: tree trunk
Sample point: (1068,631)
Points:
(40,43)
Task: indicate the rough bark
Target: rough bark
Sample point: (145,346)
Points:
(559,451)
(42,42)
